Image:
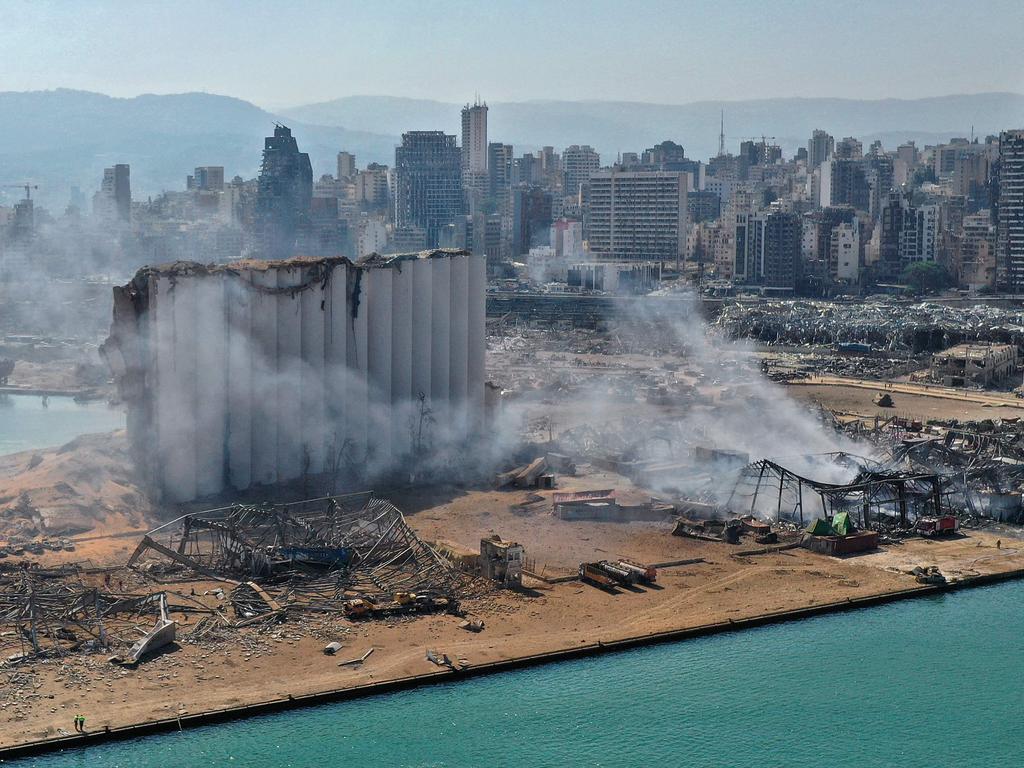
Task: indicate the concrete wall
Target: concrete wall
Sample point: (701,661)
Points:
(257,373)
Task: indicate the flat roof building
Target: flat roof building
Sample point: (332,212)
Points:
(638,215)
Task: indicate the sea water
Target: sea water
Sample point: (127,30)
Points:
(26,423)
(936,681)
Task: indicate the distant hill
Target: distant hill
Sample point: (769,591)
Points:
(613,127)
(63,137)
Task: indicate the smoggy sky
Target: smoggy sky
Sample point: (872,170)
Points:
(280,54)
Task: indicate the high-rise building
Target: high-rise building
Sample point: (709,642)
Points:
(499,165)
(428,182)
(113,201)
(844,182)
(371,186)
(284,195)
(849,149)
(908,154)
(768,249)
(207,178)
(123,191)
(526,170)
(778,251)
(879,172)
(638,215)
(531,218)
(578,163)
(909,234)
(474,138)
(661,154)
(346,165)
(821,228)
(820,148)
(1010,210)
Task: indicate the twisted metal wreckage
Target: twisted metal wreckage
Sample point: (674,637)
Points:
(52,612)
(319,555)
(306,556)
(971,474)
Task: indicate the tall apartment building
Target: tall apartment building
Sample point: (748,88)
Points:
(474,153)
(844,251)
(499,169)
(578,163)
(113,201)
(638,215)
(284,195)
(908,234)
(879,173)
(371,186)
(428,182)
(474,138)
(768,246)
(1010,210)
(206,178)
(820,148)
(907,153)
(844,182)
(346,165)
(974,249)
(849,149)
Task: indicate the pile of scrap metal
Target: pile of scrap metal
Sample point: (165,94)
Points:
(316,555)
(534,474)
(887,325)
(882,496)
(53,612)
(980,465)
(709,530)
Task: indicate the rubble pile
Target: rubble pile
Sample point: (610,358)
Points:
(886,325)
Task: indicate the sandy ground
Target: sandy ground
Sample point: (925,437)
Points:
(86,485)
(287,659)
(857,400)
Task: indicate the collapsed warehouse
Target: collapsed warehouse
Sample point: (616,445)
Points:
(310,555)
(256,373)
(351,556)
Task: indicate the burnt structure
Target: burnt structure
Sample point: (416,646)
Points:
(284,195)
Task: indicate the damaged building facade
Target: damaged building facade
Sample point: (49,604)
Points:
(256,373)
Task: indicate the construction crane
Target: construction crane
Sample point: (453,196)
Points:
(26,186)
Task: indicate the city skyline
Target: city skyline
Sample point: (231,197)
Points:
(443,51)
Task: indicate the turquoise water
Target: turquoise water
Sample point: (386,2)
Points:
(25,424)
(930,682)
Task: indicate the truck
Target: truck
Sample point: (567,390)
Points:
(648,574)
(944,525)
(617,573)
(591,574)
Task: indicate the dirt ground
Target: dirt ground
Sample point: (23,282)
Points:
(287,659)
(86,485)
(857,400)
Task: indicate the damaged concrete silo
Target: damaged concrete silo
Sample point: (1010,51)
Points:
(256,373)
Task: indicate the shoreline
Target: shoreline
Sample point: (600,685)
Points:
(568,653)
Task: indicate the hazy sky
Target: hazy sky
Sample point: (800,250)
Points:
(284,53)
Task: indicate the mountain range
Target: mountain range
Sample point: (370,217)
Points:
(63,137)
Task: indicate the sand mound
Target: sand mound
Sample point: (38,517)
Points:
(87,484)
